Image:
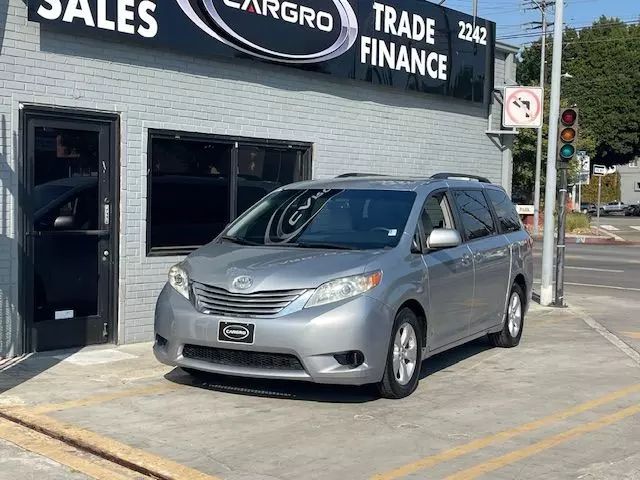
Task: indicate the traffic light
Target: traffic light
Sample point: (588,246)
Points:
(567,134)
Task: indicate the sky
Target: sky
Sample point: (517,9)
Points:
(512,16)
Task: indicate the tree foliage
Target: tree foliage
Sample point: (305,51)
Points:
(610,189)
(604,61)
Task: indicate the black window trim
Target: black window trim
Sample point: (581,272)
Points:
(235,141)
(461,228)
(494,213)
(419,228)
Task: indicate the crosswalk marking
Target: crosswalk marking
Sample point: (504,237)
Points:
(610,228)
(636,228)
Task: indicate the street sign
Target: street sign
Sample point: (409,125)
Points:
(599,170)
(522,107)
(525,209)
(585,168)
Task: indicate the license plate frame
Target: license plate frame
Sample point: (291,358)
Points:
(236,332)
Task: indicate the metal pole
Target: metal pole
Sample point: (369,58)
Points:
(536,191)
(561,247)
(546,289)
(580,191)
(599,192)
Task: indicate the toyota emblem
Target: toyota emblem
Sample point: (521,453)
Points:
(243,282)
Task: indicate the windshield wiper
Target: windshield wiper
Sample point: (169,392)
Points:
(238,240)
(334,246)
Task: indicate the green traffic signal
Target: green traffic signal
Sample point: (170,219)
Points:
(567,152)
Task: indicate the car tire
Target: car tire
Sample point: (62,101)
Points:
(404,357)
(511,332)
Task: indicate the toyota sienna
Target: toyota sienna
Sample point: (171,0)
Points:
(352,280)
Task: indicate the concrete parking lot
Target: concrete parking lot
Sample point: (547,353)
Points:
(565,404)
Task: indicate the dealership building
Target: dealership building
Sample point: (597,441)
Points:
(133,131)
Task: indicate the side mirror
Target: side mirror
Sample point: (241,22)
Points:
(443,238)
(63,222)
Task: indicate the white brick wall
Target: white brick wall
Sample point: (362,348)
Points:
(353,127)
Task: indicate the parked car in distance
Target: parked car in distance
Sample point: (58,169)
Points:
(613,208)
(588,208)
(353,280)
(633,211)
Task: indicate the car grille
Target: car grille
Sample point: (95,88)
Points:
(219,301)
(242,358)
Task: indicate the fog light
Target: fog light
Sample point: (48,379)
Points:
(351,359)
(160,341)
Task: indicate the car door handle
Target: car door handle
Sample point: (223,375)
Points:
(466,259)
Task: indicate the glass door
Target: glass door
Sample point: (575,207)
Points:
(69,232)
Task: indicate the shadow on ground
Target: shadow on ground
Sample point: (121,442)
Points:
(314,392)
(18,370)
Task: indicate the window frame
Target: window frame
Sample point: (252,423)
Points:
(422,241)
(461,227)
(494,213)
(235,142)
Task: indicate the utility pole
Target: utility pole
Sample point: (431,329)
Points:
(546,289)
(542,5)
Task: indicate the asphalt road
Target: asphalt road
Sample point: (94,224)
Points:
(626,227)
(604,280)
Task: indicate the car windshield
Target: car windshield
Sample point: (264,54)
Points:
(326,218)
(44,194)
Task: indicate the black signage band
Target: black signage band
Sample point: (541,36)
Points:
(407,44)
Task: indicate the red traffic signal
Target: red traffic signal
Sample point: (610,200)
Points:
(569,117)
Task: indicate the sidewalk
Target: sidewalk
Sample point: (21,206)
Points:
(120,404)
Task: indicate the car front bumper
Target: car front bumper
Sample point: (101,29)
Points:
(313,335)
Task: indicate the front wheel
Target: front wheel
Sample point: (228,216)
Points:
(404,358)
(511,332)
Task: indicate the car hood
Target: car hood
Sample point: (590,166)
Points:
(274,268)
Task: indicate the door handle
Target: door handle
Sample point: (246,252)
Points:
(466,259)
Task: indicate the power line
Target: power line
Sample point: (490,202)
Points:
(575,28)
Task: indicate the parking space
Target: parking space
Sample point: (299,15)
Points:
(563,404)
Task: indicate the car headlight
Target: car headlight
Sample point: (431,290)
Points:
(343,288)
(179,280)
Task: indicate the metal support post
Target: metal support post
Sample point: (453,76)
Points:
(599,192)
(561,246)
(546,288)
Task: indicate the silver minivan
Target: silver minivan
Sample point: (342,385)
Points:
(353,280)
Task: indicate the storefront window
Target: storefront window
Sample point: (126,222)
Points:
(262,170)
(192,193)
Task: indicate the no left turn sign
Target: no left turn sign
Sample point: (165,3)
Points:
(522,107)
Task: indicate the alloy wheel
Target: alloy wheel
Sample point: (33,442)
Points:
(515,315)
(405,353)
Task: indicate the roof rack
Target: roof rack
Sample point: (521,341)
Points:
(460,176)
(356,174)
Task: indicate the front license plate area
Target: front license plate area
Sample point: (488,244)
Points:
(236,332)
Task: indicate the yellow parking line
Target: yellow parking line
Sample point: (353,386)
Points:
(632,334)
(483,442)
(104,397)
(104,447)
(547,443)
(62,453)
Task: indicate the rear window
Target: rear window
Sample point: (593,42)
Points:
(506,211)
(476,216)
